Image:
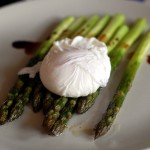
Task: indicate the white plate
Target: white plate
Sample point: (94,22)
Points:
(31,21)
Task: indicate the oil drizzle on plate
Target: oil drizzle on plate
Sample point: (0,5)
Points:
(148,59)
(79,129)
(29,47)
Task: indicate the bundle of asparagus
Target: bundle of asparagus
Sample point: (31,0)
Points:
(86,102)
(20,87)
(58,110)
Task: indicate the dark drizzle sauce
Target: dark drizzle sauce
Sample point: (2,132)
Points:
(28,46)
(148,59)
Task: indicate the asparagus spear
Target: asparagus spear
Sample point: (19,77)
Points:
(74,27)
(54,113)
(37,95)
(85,103)
(47,102)
(113,109)
(16,108)
(113,25)
(51,117)
(9,100)
(87,26)
(127,41)
(65,115)
(4,110)
(54,36)
(120,33)
(37,98)
(99,26)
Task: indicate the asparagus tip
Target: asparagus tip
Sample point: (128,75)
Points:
(100,132)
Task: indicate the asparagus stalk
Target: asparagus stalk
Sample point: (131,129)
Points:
(87,26)
(99,26)
(54,113)
(51,117)
(113,25)
(4,109)
(74,27)
(65,115)
(127,41)
(47,102)
(14,92)
(54,36)
(37,98)
(120,33)
(16,108)
(126,82)
(85,103)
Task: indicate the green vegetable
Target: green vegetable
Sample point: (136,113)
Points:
(119,34)
(65,116)
(14,92)
(100,25)
(135,31)
(47,102)
(87,26)
(54,113)
(112,26)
